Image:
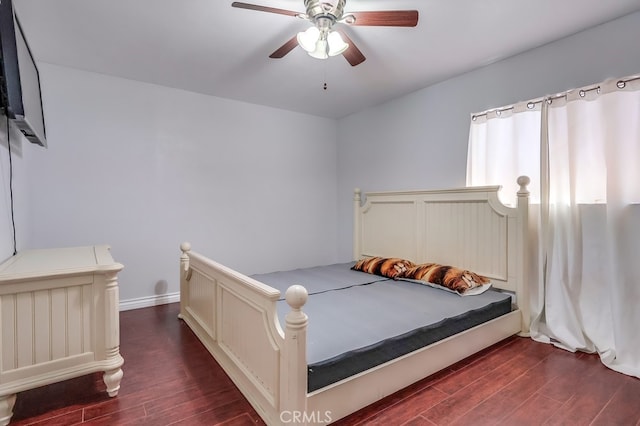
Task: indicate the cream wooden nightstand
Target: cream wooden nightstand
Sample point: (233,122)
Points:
(59,319)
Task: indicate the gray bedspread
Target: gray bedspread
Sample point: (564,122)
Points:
(358,317)
(318,279)
(350,309)
(358,320)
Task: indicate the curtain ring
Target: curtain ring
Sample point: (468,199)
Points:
(582,93)
(621,84)
(531,105)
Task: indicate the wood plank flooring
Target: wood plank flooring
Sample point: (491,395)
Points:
(171,379)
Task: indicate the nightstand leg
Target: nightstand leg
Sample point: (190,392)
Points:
(6,408)
(112,379)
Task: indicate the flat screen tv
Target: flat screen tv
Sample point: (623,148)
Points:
(20,81)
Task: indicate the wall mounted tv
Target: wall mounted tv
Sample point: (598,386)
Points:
(20,81)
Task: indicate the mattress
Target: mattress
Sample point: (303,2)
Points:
(358,321)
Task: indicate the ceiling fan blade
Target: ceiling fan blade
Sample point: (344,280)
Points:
(285,48)
(353,55)
(264,8)
(386,18)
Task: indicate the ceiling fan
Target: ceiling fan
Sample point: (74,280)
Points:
(321,40)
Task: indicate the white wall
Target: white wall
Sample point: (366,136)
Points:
(420,140)
(143,168)
(6,232)
(20,195)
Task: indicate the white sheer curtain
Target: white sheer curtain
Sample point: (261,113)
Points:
(505,144)
(589,226)
(593,235)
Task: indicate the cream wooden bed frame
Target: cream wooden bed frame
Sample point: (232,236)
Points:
(235,316)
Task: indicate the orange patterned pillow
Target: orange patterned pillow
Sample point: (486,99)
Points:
(391,267)
(452,278)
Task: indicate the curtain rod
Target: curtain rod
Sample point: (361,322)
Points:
(621,84)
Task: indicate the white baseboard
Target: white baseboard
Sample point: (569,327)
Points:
(148,301)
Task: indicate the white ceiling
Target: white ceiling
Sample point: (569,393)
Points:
(207,46)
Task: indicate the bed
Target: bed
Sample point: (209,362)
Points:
(258,330)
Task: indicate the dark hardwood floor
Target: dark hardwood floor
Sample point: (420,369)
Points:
(169,378)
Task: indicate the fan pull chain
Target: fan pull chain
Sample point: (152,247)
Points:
(324,71)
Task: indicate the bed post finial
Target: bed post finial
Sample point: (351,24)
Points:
(523,181)
(294,361)
(296,296)
(185,247)
(357,200)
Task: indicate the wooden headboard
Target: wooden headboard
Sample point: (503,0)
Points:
(468,228)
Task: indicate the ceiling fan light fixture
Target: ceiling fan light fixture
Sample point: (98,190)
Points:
(320,41)
(309,39)
(321,49)
(337,45)
(320,45)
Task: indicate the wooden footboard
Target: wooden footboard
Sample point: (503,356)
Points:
(235,317)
